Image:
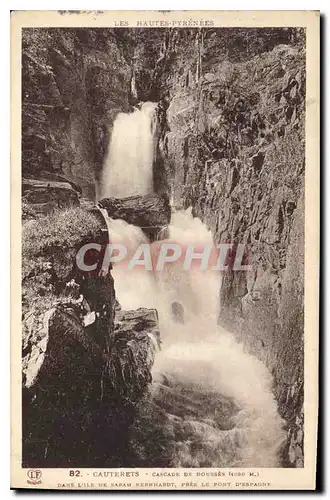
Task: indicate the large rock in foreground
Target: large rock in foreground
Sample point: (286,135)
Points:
(151,212)
(79,392)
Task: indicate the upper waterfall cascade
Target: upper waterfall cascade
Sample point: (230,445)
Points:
(217,399)
(128,166)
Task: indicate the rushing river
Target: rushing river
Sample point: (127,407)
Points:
(211,403)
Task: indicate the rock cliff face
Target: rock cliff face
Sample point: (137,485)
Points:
(234,151)
(75,81)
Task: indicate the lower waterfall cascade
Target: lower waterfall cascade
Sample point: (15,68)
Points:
(210,403)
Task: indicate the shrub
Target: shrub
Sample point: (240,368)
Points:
(61,228)
(48,249)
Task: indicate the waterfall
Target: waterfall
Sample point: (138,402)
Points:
(211,403)
(128,166)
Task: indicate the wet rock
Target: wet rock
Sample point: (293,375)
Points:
(137,320)
(136,339)
(151,212)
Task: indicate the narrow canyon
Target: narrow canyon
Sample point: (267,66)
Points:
(147,136)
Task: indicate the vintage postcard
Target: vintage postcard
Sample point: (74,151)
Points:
(165,242)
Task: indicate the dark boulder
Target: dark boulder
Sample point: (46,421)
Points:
(151,213)
(79,392)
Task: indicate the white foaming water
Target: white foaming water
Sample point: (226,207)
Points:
(218,399)
(135,288)
(128,167)
(201,356)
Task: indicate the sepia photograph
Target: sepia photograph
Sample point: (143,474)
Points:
(162,293)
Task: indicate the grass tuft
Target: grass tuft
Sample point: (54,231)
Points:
(61,228)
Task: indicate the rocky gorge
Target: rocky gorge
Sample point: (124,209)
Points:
(230,144)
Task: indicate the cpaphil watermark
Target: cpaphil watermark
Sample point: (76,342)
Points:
(153,257)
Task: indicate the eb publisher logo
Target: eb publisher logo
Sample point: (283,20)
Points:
(34,476)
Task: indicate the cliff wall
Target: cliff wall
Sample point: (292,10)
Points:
(234,151)
(75,81)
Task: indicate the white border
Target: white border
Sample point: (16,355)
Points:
(324,6)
